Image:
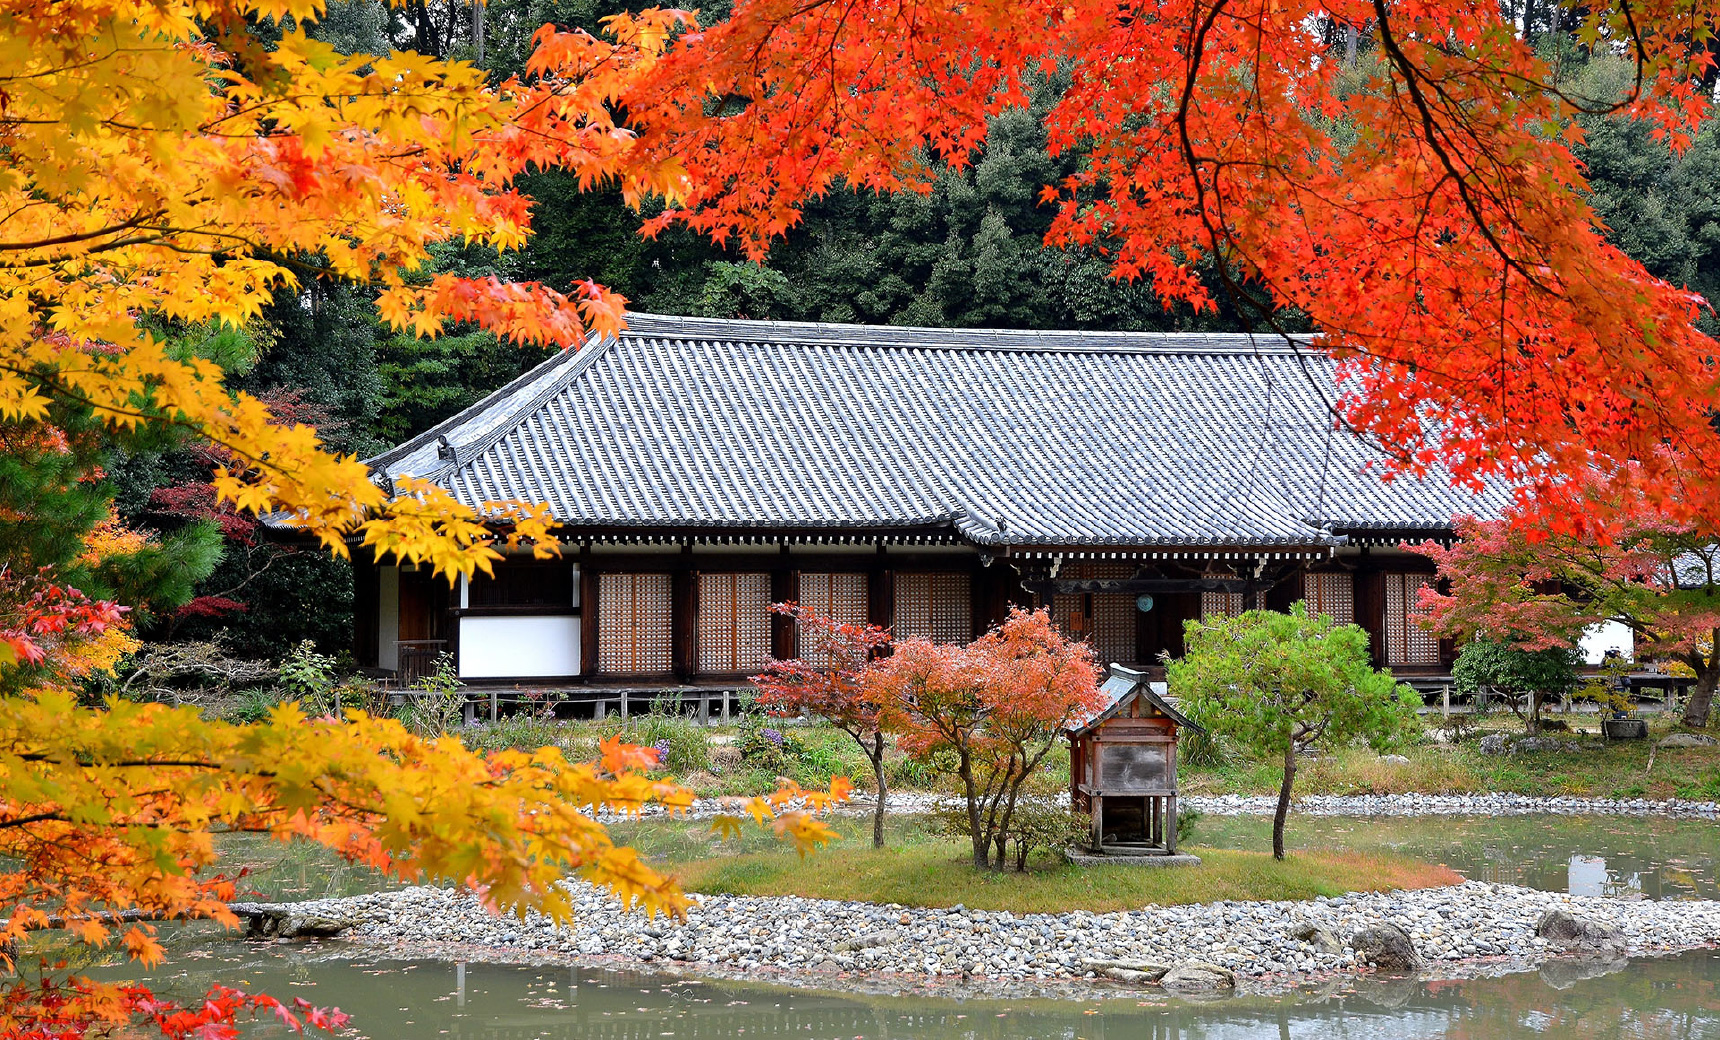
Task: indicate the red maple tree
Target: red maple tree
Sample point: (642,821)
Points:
(1526,580)
(1423,207)
(827,682)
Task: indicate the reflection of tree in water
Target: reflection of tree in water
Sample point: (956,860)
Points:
(1675,998)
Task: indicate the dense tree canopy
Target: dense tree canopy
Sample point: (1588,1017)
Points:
(1279,683)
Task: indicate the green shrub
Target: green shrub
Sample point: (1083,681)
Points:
(681,742)
(1202,750)
(1186,820)
(815,758)
(438,701)
(763,747)
(1045,825)
(526,731)
(309,679)
(912,774)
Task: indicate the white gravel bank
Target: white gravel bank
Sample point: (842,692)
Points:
(1450,927)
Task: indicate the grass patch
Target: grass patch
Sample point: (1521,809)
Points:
(938,873)
(917,868)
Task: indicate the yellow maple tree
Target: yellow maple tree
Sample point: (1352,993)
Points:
(162,165)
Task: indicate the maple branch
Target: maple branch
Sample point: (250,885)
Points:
(80,237)
(1430,125)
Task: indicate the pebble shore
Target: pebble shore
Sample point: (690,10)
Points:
(1460,931)
(913,802)
(823,941)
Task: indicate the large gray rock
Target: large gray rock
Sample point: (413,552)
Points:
(1312,934)
(1135,973)
(1198,977)
(1683,740)
(1573,934)
(1386,947)
(1495,744)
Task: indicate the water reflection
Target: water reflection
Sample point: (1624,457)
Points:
(1631,858)
(410,999)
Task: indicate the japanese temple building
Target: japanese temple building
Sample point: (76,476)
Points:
(922,479)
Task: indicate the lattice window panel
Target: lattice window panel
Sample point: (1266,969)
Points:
(1106,620)
(1331,593)
(933,606)
(1407,642)
(633,624)
(839,597)
(1215,606)
(734,622)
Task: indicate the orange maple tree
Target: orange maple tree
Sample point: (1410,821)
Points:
(991,711)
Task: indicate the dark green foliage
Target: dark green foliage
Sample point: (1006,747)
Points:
(322,354)
(1276,683)
(292,594)
(427,380)
(1524,678)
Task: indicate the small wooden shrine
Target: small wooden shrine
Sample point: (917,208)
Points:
(1123,768)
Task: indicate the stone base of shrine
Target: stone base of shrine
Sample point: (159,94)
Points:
(1082,856)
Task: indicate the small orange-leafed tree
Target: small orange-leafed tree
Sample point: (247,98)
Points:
(992,709)
(826,681)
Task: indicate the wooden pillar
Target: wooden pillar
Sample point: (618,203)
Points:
(881,595)
(495,703)
(1171,838)
(588,607)
(1098,822)
(366,607)
(1370,592)
(784,588)
(683,622)
(725,706)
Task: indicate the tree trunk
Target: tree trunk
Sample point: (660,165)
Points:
(981,838)
(1001,842)
(1701,700)
(876,754)
(1283,801)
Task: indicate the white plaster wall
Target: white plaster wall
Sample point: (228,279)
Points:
(518,647)
(1608,635)
(388,619)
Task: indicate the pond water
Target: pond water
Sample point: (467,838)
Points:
(1633,857)
(413,999)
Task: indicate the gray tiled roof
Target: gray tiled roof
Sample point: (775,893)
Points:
(1024,438)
